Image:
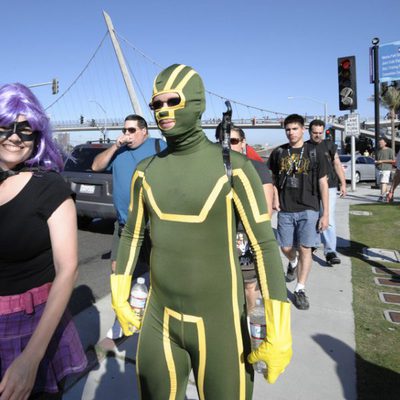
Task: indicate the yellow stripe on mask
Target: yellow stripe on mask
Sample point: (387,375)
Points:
(173,76)
(185,80)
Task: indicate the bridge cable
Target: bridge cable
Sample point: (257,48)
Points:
(209,92)
(80,74)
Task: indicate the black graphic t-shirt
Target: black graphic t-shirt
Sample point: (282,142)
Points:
(296,175)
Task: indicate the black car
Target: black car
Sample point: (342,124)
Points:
(93,189)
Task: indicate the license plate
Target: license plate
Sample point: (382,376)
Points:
(88,189)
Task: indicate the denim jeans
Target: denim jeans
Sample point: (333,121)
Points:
(328,237)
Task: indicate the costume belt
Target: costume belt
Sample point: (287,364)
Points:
(25,301)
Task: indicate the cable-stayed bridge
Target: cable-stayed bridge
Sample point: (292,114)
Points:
(97,99)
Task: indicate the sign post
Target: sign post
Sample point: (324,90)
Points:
(352,129)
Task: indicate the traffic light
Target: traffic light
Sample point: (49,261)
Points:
(330,134)
(54,86)
(82,119)
(347,83)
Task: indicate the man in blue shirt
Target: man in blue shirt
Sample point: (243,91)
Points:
(122,157)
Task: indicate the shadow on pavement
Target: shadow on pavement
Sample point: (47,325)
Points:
(82,297)
(119,378)
(344,357)
(382,383)
(356,250)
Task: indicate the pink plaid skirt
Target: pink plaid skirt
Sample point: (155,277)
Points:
(64,354)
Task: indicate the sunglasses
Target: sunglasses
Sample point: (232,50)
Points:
(156,105)
(234,140)
(130,130)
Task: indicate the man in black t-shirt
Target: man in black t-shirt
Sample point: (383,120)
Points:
(335,175)
(300,177)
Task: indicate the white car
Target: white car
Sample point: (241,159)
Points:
(365,167)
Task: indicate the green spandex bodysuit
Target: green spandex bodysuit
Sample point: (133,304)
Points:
(195,314)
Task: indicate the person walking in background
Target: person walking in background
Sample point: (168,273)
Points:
(246,260)
(383,163)
(195,315)
(39,344)
(131,147)
(335,178)
(396,179)
(299,171)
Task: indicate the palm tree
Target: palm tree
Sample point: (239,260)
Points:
(390,99)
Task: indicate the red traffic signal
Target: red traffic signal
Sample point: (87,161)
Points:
(347,83)
(345,64)
(330,134)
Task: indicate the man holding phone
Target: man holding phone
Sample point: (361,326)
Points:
(131,147)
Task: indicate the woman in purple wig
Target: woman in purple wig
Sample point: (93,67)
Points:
(39,344)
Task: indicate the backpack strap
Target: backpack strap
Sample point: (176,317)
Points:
(312,151)
(281,178)
(157,145)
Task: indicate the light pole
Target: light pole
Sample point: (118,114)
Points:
(104,129)
(315,101)
(53,83)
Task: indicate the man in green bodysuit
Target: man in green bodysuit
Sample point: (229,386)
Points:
(195,315)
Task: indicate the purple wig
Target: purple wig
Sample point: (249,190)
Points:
(16,99)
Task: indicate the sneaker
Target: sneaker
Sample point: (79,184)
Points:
(332,258)
(291,273)
(301,300)
(115,332)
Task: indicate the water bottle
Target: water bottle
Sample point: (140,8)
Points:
(138,297)
(258,331)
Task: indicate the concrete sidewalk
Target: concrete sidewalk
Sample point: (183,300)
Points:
(323,364)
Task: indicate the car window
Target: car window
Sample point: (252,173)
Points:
(82,158)
(360,160)
(370,160)
(344,159)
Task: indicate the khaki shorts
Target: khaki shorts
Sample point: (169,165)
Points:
(382,176)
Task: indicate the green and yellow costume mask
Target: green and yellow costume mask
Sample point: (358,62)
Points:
(185,82)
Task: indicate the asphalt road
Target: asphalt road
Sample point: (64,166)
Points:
(94,264)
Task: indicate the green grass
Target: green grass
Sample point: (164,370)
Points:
(377,340)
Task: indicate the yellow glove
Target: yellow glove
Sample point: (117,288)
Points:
(276,350)
(120,291)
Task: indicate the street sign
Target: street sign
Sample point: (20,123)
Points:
(352,124)
(389,62)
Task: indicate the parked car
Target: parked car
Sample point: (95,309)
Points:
(365,167)
(93,189)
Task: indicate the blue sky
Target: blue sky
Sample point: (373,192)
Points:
(257,52)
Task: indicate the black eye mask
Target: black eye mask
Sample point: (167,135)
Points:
(18,128)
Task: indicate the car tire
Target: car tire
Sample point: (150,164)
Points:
(358,177)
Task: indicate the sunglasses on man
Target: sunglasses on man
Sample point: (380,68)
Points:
(157,104)
(234,141)
(129,130)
